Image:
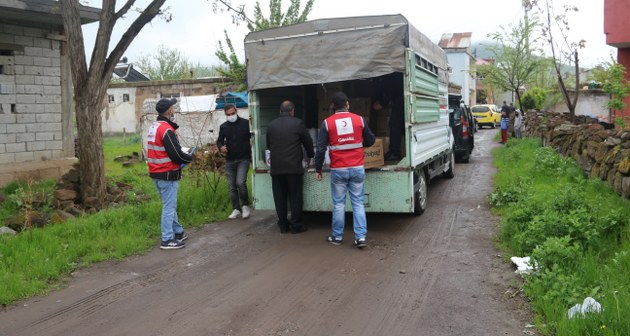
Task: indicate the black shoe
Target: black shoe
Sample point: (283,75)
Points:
(300,229)
(181,236)
(334,240)
(284,228)
(392,157)
(361,242)
(172,244)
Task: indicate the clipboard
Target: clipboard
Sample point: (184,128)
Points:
(192,151)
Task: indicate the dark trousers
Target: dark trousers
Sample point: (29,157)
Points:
(288,188)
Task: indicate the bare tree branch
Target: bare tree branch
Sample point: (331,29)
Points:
(124,9)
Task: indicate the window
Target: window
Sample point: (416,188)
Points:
(111,98)
(125,97)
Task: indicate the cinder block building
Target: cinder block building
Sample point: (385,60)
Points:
(36,106)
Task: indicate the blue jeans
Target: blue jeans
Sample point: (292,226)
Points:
(170,222)
(236,173)
(342,181)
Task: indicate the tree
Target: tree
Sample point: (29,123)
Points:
(515,58)
(91,83)
(618,87)
(235,71)
(563,52)
(165,64)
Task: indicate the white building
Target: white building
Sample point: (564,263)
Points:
(461,62)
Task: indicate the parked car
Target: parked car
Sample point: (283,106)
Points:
(462,123)
(486,115)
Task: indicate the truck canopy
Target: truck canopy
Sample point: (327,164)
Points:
(334,50)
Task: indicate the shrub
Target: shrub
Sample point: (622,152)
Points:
(534,98)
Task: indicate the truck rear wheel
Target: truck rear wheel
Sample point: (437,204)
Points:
(420,196)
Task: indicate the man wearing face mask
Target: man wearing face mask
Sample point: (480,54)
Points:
(234,142)
(164,158)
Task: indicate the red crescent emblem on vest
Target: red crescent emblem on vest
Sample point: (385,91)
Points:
(345,123)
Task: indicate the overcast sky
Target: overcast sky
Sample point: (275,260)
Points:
(195,30)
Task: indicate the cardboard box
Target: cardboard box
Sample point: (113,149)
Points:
(373,156)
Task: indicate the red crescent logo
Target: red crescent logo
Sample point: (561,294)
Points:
(345,123)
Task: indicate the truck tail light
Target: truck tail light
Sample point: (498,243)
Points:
(464,127)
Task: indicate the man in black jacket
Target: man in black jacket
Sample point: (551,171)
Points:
(234,142)
(165,158)
(287,139)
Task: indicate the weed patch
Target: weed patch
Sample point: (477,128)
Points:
(34,264)
(576,231)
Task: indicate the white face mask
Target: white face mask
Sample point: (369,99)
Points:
(173,117)
(232,118)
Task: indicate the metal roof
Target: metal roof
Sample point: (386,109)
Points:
(455,40)
(128,73)
(41,11)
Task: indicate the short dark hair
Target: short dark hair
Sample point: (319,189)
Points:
(229,107)
(339,100)
(287,106)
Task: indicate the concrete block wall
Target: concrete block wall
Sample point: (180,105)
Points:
(30,104)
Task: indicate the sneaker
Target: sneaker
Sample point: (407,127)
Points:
(334,240)
(181,236)
(246,211)
(361,242)
(235,214)
(172,244)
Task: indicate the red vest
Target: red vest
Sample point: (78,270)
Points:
(345,139)
(157,157)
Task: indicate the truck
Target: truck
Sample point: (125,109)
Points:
(368,58)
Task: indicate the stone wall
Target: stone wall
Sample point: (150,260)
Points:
(602,153)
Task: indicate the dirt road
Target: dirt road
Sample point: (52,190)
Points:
(437,274)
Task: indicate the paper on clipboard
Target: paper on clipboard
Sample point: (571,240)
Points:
(189,151)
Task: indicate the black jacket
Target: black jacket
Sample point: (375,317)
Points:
(235,136)
(286,136)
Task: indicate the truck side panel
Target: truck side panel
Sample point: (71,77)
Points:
(429,132)
(385,191)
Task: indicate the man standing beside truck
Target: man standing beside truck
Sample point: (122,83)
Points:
(345,134)
(286,136)
(234,141)
(165,158)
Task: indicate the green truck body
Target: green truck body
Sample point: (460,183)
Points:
(307,62)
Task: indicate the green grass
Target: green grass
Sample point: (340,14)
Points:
(33,265)
(577,231)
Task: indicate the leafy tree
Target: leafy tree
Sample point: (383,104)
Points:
(168,64)
(563,52)
(534,98)
(91,82)
(235,71)
(515,58)
(165,64)
(618,87)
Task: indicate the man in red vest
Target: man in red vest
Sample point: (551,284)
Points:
(165,158)
(345,134)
